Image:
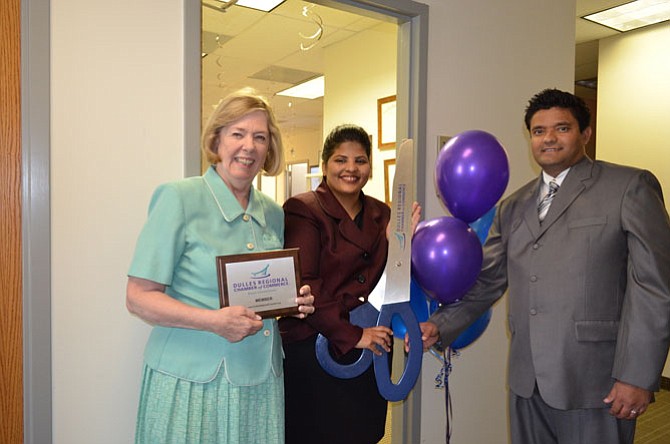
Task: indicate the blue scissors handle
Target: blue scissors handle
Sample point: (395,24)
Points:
(389,390)
(363,316)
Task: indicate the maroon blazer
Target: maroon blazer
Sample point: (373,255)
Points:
(341,262)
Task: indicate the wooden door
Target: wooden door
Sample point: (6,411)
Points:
(11,336)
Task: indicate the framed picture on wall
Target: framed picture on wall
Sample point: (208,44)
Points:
(386,121)
(389,173)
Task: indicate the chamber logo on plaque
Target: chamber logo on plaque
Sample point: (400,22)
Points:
(266,282)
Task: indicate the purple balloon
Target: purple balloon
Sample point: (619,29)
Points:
(446,258)
(471,174)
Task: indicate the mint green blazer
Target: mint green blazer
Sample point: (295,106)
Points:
(190,222)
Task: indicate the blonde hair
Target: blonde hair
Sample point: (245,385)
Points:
(232,108)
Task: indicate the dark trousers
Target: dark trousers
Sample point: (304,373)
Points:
(322,409)
(532,421)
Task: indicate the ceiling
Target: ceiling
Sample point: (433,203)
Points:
(587,35)
(252,48)
(246,47)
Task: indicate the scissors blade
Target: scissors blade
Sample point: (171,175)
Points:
(397,281)
(398,259)
(398,263)
(376,297)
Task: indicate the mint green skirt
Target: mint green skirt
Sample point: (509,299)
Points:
(175,411)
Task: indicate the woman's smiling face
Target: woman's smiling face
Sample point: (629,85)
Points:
(243,146)
(348,169)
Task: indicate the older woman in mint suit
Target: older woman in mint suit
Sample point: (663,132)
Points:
(211,375)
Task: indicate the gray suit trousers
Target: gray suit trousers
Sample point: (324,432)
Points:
(532,421)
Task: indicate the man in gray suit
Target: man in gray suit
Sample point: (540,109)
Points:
(589,287)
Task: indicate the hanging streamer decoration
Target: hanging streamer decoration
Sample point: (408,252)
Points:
(313,38)
(442,382)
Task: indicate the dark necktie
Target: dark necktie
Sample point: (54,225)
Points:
(543,207)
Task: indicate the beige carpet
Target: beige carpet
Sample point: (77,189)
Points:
(654,426)
(387,435)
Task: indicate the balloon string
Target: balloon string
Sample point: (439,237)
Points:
(442,382)
(447,395)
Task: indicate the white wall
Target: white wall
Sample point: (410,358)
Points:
(116,133)
(299,146)
(302,145)
(634,103)
(486,59)
(359,71)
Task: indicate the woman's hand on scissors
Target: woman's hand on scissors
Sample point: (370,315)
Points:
(416,217)
(375,337)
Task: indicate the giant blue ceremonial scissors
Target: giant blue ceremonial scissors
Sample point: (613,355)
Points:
(391,295)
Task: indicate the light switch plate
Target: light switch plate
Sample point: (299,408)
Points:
(441,140)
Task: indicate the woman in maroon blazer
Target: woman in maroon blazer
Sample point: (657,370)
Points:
(341,234)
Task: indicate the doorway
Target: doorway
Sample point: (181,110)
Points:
(272,51)
(268,51)
(293,43)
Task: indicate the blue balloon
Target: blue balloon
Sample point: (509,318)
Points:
(418,300)
(473,332)
(471,174)
(482,225)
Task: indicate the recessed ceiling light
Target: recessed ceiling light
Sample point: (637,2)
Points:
(310,89)
(261,5)
(633,15)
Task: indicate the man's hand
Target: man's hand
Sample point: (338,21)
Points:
(628,401)
(429,335)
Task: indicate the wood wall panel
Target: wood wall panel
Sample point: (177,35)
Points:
(11,341)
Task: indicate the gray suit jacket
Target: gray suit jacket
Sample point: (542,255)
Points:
(589,289)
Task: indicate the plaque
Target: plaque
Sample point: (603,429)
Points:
(266,282)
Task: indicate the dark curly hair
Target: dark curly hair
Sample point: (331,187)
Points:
(550,98)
